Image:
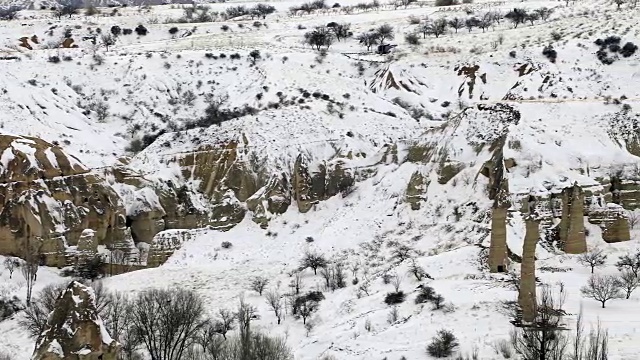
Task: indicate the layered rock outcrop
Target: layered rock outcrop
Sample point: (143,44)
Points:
(572,234)
(527,293)
(613,222)
(74,331)
(48,198)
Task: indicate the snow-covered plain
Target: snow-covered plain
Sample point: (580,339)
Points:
(143,79)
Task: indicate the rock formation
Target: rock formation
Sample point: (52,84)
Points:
(49,198)
(498,251)
(527,294)
(416,190)
(74,330)
(572,235)
(613,221)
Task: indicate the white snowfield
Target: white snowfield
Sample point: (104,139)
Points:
(575,117)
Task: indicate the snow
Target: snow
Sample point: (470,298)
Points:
(56,348)
(565,135)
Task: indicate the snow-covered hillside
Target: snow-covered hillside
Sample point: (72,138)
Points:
(414,130)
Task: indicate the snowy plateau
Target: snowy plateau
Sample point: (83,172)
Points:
(553,100)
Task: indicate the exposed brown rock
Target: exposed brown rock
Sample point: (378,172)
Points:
(165,244)
(309,188)
(527,294)
(613,221)
(416,190)
(273,198)
(498,250)
(49,198)
(572,235)
(74,330)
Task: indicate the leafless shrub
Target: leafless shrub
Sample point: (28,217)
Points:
(258,284)
(593,259)
(274,300)
(602,288)
(167,321)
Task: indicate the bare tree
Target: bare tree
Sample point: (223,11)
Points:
(629,282)
(368,39)
(29,270)
(274,300)
(456,23)
(327,275)
(11,264)
(436,28)
(544,13)
(402,253)
(320,37)
(385,32)
(258,284)
(36,315)
(167,321)
(107,40)
(602,288)
(224,323)
(396,281)
(629,262)
(593,259)
(591,347)
(633,218)
(115,316)
(314,261)
(544,338)
(417,271)
(306,307)
(296,282)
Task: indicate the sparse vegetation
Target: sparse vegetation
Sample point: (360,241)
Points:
(602,288)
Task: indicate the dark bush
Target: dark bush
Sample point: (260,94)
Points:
(226,245)
(9,306)
(141,30)
(224,27)
(446,2)
(628,49)
(209,55)
(127,31)
(115,30)
(223,55)
(412,39)
(443,344)
(317,94)
(394,298)
(316,296)
(611,40)
(235,56)
(426,294)
(54,59)
(512,53)
(550,53)
(174,30)
(309,239)
(614,48)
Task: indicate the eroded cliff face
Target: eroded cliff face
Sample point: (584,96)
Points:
(74,330)
(47,200)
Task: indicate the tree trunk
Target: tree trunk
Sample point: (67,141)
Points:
(603,304)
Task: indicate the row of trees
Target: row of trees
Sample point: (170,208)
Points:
(169,325)
(607,287)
